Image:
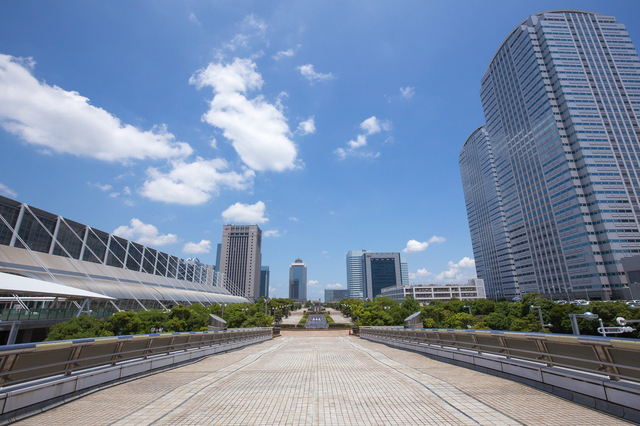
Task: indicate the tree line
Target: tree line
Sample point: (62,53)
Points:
(177,319)
(486,314)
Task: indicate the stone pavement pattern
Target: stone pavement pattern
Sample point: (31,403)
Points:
(320,378)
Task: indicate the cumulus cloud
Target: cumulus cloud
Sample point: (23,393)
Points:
(456,272)
(371,126)
(312,282)
(101,187)
(307,126)
(204,246)
(245,213)
(114,194)
(5,190)
(408,92)
(127,190)
(334,286)
(257,129)
(193,183)
(65,122)
(420,274)
(144,233)
(310,74)
(272,233)
(414,246)
(282,54)
(295,219)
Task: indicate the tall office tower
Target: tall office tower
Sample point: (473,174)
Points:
(355,282)
(404,269)
(217,268)
(561,98)
(491,245)
(380,270)
(240,259)
(264,281)
(298,280)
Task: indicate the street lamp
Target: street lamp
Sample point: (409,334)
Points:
(574,322)
(542,324)
(222,305)
(266,300)
(468,307)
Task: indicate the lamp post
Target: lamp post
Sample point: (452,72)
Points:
(574,322)
(468,307)
(222,305)
(266,300)
(542,324)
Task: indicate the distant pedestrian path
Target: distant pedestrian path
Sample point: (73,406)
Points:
(321,378)
(293,318)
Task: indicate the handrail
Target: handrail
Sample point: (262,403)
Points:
(614,357)
(31,361)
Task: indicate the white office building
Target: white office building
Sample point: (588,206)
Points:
(424,293)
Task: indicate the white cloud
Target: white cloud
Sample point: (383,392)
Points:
(245,213)
(65,122)
(5,190)
(272,289)
(370,126)
(421,273)
(194,19)
(455,272)
(414,246)
(312,282)
(336,285)
(282,54)
(361,140)
(129,203)
(307,126)
(257,129)
(144,234)
(204,246)
(114,194)
(295,219)
(193,183)
(310,74)
(271,233)
(101,187)
(408,92)
(127,190)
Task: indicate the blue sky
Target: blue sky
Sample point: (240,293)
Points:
(333,125)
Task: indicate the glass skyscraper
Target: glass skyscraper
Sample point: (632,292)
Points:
(298,280)
(355,281)
(561,99)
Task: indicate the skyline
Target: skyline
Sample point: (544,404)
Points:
(154,126)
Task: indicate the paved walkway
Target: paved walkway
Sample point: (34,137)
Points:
(339,318)
(335,379)
(293,318)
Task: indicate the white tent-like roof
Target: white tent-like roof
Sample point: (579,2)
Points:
(10,283)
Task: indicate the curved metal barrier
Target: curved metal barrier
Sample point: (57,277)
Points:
(602,372)
(31,361)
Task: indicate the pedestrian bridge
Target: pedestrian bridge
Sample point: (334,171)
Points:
(300,378)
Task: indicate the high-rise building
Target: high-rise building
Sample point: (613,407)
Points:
(355,282)
(380,270)
(298,280)
(404,268)
(561,99)
(240,259)
(487,224)
(332,296)
(264,281)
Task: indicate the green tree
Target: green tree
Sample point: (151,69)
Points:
(124,323)
(81,327)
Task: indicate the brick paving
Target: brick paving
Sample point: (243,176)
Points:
(320,378)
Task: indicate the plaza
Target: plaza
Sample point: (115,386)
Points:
(320,378)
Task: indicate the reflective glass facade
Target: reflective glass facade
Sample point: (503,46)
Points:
(298,280)
(355,278)
(66,252)
(561,99)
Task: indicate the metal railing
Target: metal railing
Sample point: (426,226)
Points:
(617,358)
(31,361)
(48,314)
